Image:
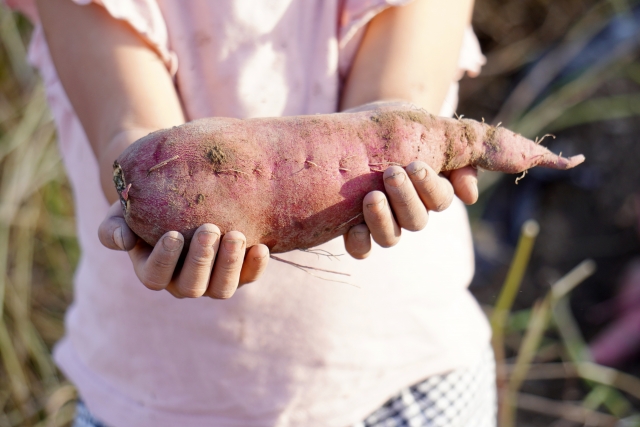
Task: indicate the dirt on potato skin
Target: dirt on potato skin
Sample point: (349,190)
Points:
(291,182)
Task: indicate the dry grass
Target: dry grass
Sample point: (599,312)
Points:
(543,343)
(606,401)
(543,37)
(38,250)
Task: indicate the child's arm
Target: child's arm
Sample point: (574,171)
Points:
(121,91)
(409,53)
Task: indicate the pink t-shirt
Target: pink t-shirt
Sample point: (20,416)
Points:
(291,349)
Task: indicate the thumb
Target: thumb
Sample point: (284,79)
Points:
(114,233)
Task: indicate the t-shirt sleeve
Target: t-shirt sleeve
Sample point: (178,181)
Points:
(143,16)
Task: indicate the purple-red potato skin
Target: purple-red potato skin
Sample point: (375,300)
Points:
(297,182)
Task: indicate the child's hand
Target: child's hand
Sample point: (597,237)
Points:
(213,266)
(411,195)
(408,53)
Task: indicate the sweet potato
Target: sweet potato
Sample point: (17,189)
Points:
(297,182)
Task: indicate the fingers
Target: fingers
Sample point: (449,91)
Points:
(228,266)
(378,217)
(114,233)
(213,266)
(357,241)
(255,262)
(411,199)
(435,191)
(194,277)
(409,211)
(465,184)
(155,266)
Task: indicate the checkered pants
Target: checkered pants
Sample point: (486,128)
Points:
(461,398)
(84,418)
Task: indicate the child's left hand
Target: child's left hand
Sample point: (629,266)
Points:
(410,194)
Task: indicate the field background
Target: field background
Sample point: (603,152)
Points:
(564,66)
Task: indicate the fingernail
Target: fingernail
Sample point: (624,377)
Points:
(420,173)
(376,207)
(207,238)
(360,236)
(118,239)
(396,179)
(233,245)
(171,244)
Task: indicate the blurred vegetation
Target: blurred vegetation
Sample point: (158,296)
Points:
(553,66)
(544,343)
(38,249)
(529,45)
(547,59)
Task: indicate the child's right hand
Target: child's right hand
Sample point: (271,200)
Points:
(121,89)
(214,266)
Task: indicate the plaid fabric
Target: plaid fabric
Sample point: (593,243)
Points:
(84,417)
(461,398)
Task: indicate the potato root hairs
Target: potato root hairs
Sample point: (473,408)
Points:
(297,182)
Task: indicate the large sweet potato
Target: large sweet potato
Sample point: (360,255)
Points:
(296,182)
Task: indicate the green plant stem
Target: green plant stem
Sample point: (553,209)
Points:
(597,109)
(518,267)
(538,323)
(578,352)
(501,311)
